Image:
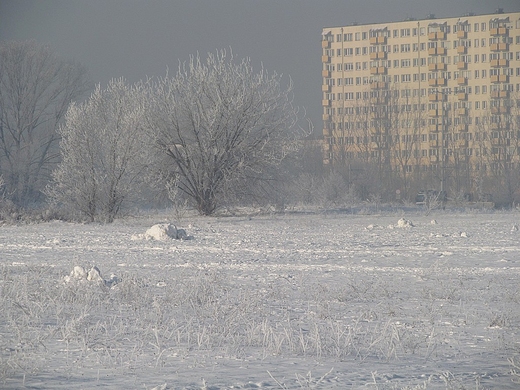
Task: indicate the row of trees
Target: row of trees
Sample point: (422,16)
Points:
(216,131)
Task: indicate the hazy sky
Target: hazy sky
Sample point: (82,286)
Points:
(137,38)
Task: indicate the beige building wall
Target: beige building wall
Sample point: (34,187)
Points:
(423,95)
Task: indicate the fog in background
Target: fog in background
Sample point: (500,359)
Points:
(136,39)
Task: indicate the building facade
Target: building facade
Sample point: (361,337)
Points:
(425,103)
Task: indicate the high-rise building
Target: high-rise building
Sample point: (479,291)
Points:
(435,102)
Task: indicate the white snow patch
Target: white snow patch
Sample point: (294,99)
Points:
(433,222)
(162,232)
(404,223)
(80,275)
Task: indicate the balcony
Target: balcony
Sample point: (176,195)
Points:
(435,36)
(325,44)
(435,67)
(462,127)
(461,34)
(499,47)
(326,117)
(437,82)
(378,55)
(501,63)
(326,73)
(435,128)
(499,126)
(499,110)
(325,88)
(433,144)
(325,59)
(461,65)
(462,96)
(437,51)
(462,81)
(325,102)
(435,97)
(499,78)
(378,40)
(462,111)
(500,31)
(378,85)
(499,94)
(434,113)
(462,49)
(375,70)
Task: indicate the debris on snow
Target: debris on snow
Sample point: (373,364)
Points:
(514,228)
(163,232)
(80,275)
(433,222)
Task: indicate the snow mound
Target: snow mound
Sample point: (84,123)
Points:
(163,232)
(514,228)
(80,275)
(433,222)
(404,223)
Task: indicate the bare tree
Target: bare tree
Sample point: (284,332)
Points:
(35,90)
(222,126)
(104,153)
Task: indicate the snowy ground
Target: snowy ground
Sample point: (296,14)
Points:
(282,302)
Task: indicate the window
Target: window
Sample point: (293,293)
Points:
(422,30)
(358,51)
(347,37)
(349,66)
(358,80)
(348,51)
(484,91)
(395,33)
(483,42)
(484,58)
(349,95)
(358,65)
(405,48)
(415,47)
(338,52)
(477,74)
(477,42)
(405,63)
(414,32)
(396,63)
(338,37)
(483,26)
(357,36)
(364,36)
(365,51)
(477,90)
(405,32)
(476,58)
(475,27)
(406,78)
(396,49)
(484,75)
(349,81)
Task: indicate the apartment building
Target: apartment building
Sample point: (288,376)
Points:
(435,100)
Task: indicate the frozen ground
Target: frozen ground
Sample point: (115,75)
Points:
(282,302)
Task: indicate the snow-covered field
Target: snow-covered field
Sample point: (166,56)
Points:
(282,301)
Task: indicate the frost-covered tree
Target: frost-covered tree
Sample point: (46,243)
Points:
(103,152)
(223,127)
(36,88)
